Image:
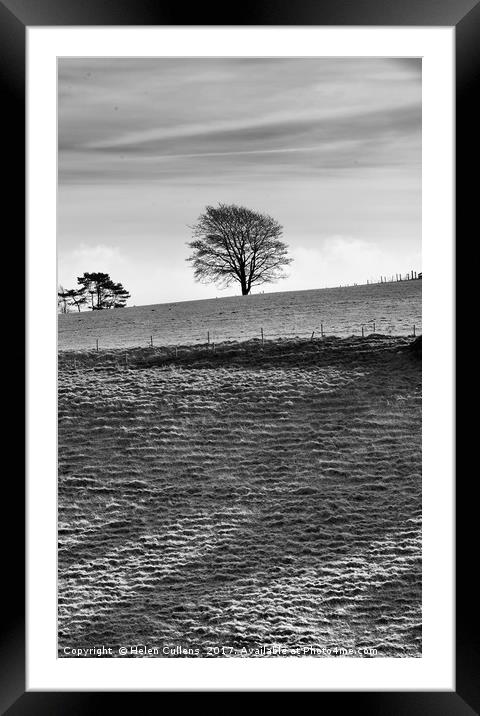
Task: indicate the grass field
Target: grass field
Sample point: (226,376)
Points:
(241,496)
(394,307)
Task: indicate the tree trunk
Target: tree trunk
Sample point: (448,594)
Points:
(243,281)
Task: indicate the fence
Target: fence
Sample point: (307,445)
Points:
(212,338)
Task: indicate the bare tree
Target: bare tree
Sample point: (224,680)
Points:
(71,297)
(232,243)
(76,298)
(62,300)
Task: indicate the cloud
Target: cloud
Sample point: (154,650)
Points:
(339,260)
(97,254)
(85,258)
(163,119)
(277,132)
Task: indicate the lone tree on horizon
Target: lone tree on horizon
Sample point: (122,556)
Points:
(232,243)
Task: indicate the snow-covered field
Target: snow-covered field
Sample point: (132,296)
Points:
(394,307)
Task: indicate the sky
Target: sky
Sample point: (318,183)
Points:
(331,148)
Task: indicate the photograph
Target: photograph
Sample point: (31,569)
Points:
(239,357)
(238,228)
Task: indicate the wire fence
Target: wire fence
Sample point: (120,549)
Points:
(212,337)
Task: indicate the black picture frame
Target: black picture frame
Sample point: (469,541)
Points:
(15,17)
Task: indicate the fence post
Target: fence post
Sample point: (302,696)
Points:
(414,330)
(311,337)
(373,326)
(321,330)
(363,333)
(97,344)
(176,352)
(208,338)
(261,329)
(151,341)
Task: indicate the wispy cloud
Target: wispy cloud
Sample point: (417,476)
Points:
(122,120)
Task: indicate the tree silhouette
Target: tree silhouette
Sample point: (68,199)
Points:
(235,244)
(62,300)
(116,295)
(76,298)
(97,289)
(104,293)
(95,284)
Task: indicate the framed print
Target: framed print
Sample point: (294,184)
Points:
(240,353)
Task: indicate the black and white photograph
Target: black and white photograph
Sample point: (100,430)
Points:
(239,300)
